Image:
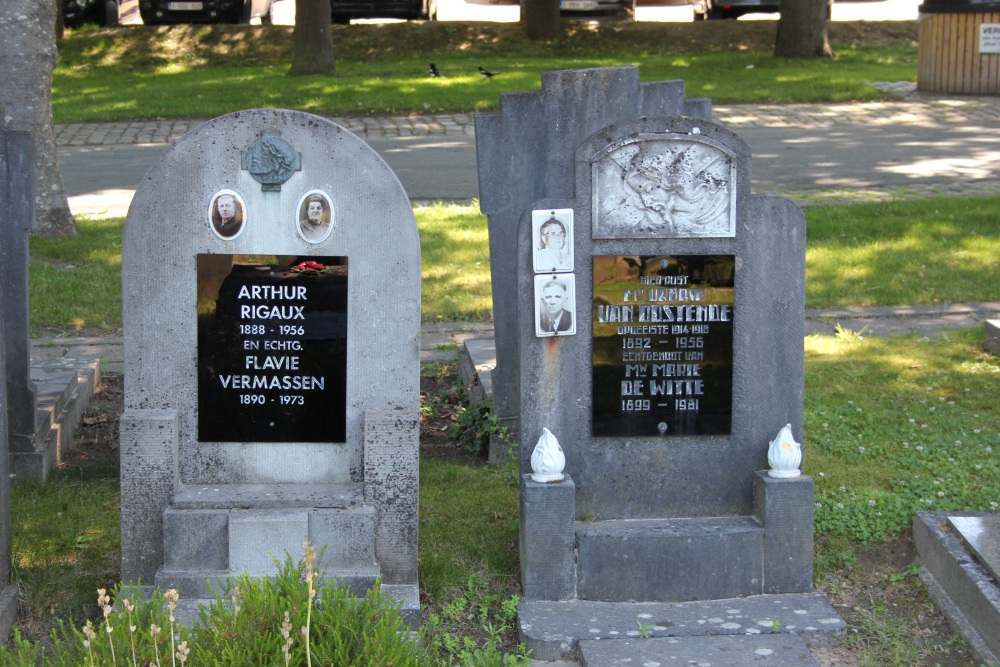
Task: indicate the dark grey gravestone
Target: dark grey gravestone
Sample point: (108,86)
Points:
(16,216)
(525,153)
(961,585)
(14,149)
(660,313)
(271,287)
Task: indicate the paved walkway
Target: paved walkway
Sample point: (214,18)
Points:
(915,107)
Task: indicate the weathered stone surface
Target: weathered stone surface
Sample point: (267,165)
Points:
(524,154)
(785,508)
(273,494)
(676,560)
(732,651)
(17,213)
(960,585)
(552,630)
(392,487)
(548,567)
(196,539)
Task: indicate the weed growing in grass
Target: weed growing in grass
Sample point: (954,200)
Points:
(475,424)
(476,611)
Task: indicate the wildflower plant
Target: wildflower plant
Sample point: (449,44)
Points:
(337,627)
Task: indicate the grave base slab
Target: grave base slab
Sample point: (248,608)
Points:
(785,650)
(958,583)
(555,630)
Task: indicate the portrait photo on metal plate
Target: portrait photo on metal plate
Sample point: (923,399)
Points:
(315,216)
(552,240)
(227,214)
(555,306)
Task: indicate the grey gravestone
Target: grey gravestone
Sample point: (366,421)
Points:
(17,209)
(525,153)
(659,322)
(15,180)
(271,279)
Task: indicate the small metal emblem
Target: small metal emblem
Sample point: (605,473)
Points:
(271,160)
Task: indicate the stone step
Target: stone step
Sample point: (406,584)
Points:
(554,630)
(205,542)
(783,650)
(268,496)
(677,560)
(63,392)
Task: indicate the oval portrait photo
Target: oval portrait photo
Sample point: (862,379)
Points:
(315,216)
(227,214)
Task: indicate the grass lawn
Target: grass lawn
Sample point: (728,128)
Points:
(135,73)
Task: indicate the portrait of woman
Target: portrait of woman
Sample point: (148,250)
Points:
(315,216)
(552,240)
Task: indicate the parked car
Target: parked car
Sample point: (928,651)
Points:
(345,10)
(708,10)
(155,12)
(581,8)
(102,12)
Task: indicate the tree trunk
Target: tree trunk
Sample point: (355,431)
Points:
(541,19)
(27,56)
(312,39)
(802,30)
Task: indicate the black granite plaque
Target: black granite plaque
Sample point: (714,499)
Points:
(663,345)
(272,349)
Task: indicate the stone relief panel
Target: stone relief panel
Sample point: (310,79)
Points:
(660,186)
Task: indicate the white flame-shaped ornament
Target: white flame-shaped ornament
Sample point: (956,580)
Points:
(784,455)
(547,460)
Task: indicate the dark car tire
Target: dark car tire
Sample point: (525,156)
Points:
(111,17)
(148,18)
(242,13)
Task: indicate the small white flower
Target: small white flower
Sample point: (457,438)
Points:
(840,506)
(920,448)
(940,494)
(861,449)
(872,503)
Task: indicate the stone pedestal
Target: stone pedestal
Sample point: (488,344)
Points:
(785,508)
(548,568)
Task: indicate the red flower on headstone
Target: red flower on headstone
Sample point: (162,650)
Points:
(308,266)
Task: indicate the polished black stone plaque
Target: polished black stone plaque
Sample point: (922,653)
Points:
(663,345)
(272,349)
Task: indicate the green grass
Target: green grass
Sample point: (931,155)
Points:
(940,250)
(139,73)
(75,283)
(898,425)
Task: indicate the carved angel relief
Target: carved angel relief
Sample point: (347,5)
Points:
(664,188)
